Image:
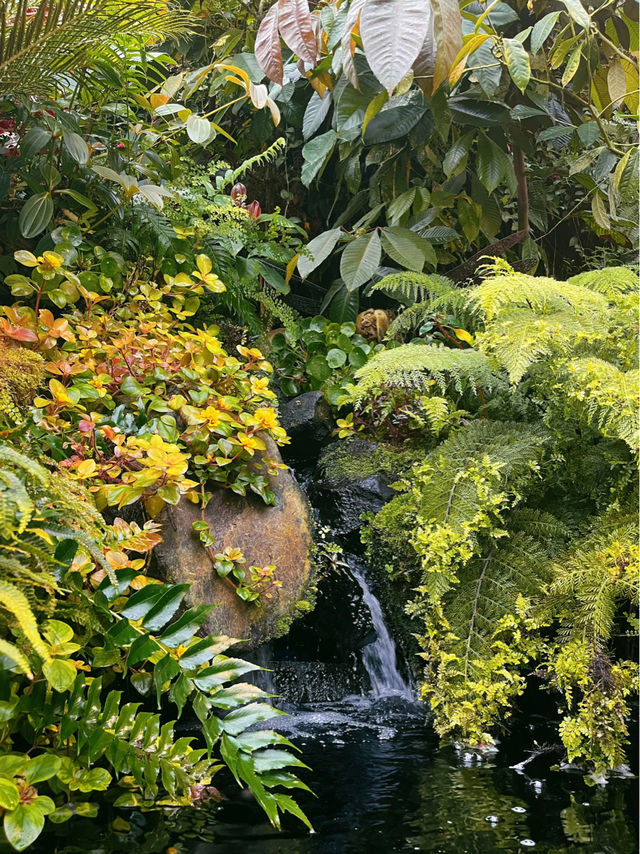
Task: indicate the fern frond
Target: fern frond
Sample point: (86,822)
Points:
(609,281)
(609,397)
(418,366)
(538,294)
(19,659)
(409,288)
(266,156)
(15,602)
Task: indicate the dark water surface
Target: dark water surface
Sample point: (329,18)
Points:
(383,785)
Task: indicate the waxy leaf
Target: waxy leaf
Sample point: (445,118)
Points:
(360,260)
(517,60)
(541,30)
(296,28)
(319,248)
(393,32)
(267,47)
(35,214)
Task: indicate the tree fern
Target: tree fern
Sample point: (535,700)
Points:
(409,288)
(609,281)
(417,366)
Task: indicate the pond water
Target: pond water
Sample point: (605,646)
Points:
(382,784)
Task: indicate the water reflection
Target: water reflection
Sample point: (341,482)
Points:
(383,786)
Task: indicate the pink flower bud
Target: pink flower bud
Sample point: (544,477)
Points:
(254,210)
(238,194)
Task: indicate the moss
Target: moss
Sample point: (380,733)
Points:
(356,459)
(21,373)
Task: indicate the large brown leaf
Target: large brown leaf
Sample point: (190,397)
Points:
(393,32)
(297,29)
(447,25)
(267,47)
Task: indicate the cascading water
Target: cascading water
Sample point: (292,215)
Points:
(379,656)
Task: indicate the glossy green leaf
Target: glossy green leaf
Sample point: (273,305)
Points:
(404,246)
(360,260)
(517,60)
(59,674)
(542,29)
(240,719)
(76,146)
(319,250)
(165,607)
(35,215)
(42,767)
(315,113)
(579,14)
(316,153)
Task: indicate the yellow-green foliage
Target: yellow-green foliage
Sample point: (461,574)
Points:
(21,373)
(500,585)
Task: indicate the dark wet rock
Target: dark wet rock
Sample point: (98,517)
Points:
(309,421)
(280,535)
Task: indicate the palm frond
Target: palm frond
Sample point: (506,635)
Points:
(39,42)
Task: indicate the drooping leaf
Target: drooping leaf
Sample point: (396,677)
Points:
(316,153)
(578,13)
(517,60)
(315,113)
(267,46)
(396,118)
(360,260)
(392,34)
(320,248)
(35,214)
(296,28)
(447,26)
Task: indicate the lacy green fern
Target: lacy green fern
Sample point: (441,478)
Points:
(417,366)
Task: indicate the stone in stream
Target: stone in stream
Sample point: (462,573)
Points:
(280,535)
(308,420)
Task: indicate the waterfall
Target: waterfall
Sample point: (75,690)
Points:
(379,656)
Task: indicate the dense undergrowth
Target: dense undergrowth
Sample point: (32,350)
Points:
(154,308)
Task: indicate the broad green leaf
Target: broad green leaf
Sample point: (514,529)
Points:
(59,674)
(396,118)
(35,215)
(490,163)
(315,113)
(472,111)
(316,153)
(76,146)
(318,368)
(457,153)
(186,626)
(272,759)
(599,212)
(34,141)
(287,804)
(24,824)
(572,65)
(206,649)
(240,719)
(237,695)
(163,672)
(447,27)
(142,648)
(267,46)
(517,60)
(439,234)
(9,795)
(404,246)
(470,217)
(360,260)
(578,13)
(393,32)
(165,607)
(542,29)
(616,81)
(319,248)
(222,670)
(400,205)
(142,601)
(42,767)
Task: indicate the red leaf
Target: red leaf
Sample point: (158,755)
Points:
(21,333)
(296,28)
(267,47)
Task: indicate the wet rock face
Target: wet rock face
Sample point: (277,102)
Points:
(345,494)
(308,421)
(280,535)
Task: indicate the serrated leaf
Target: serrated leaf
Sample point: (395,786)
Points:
(360,260)
(393,32)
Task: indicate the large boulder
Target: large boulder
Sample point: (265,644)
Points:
(280,535)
